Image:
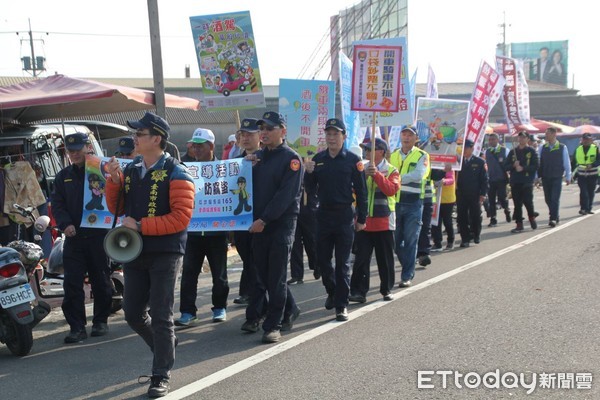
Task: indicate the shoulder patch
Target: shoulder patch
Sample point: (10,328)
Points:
(360,166)
(295,165)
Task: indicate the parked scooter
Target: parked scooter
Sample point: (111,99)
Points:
(20,311)
(48,280)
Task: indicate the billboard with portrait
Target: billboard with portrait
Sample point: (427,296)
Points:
(543,61)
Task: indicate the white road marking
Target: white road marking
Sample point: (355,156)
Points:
(249,362)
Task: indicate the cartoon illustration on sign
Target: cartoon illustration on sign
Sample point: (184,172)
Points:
(243,196)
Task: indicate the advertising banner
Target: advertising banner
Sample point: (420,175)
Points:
(223,199)
(306,105)
(543,61)
(227,59)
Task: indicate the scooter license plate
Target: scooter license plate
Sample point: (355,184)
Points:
(16,295)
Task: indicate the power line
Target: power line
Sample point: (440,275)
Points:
(91,34)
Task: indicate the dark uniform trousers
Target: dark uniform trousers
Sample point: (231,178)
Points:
(522,194)
(497,191)
(335,229)
(271,249)
(445,218)
(424,244)
(383,243)
(587,187)
(468,216)
(83,255)
(243,245)
(214,248)
(304,240)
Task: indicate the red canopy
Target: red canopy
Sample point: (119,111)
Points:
(59,96)
(538,124)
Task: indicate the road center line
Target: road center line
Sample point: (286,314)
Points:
(251,361)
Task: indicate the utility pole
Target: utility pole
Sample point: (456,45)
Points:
(33,63)
(503,25)
(157,69)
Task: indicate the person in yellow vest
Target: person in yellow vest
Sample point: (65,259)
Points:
(447,203)
(413,164)
(383,182)
(587,160)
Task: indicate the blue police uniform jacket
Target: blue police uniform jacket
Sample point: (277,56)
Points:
(67,201)
(528,159)
(276,181)
(149,196)
(472,178)
(334,180)
(495,161)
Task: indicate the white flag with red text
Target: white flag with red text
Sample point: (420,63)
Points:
(515,95)
(488,88)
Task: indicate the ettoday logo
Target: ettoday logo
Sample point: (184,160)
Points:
(503,380)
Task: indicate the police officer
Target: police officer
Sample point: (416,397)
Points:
(495,155)
(522,164)
(587,160)
(335,173)
(305,239)
(471,189)
(277,175)
(83,250)
(126,148)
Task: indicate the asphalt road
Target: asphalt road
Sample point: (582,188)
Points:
(516,304)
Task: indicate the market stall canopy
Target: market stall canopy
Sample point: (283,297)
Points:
(539,126)
(580,130)
(59,96)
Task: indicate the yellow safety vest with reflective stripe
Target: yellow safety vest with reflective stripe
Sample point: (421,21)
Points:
(379,203)
(583,160)
(407,165)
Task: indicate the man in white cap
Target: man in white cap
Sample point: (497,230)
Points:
(201,245)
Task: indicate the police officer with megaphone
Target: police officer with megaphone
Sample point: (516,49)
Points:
(156,196)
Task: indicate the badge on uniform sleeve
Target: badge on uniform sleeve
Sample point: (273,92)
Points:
(360,166)
(295,165)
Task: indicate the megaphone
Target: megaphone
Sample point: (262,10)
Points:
(123,244)
(41,223)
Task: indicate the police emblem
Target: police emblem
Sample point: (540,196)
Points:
(360,166)
(295,165)
(92,218)
(159,175)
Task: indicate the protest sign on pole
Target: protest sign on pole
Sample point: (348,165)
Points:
(228,62)
(446,122)
(406,111)
(306,105)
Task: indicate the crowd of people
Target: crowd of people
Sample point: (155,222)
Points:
(331,206)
